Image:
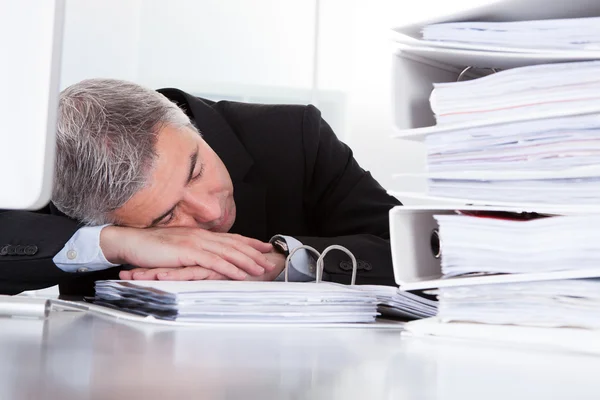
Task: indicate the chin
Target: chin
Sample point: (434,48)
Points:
(226,228)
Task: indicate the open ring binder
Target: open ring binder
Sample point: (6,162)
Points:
(321,261)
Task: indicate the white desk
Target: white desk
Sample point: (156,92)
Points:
(81,356)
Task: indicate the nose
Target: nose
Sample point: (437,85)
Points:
(204,208)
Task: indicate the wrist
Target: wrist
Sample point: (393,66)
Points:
(111,244)
(279,260)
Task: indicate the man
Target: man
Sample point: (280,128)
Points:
(137,186)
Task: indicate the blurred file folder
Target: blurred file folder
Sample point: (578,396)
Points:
(21,306)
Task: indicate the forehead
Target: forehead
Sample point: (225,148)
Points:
(173,140)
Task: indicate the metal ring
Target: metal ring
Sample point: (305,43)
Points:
(289,257)
(464,71)
(321,262)
(467,69)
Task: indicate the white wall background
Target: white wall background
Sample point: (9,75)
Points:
(261,51)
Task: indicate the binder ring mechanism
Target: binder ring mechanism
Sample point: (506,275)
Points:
(321,260)
(469,68)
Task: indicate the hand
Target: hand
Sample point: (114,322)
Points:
(199,273)
(171,274)
(228,255)
(276,258)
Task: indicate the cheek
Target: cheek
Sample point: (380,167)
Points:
(224,178)
(217,179)
(183,220)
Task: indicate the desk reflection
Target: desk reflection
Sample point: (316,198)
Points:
(81,356)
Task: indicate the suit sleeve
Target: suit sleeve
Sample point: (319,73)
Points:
(35,238)
(349,206)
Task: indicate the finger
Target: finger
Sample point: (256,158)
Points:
(145,274)
(194,257)
(254,243)
(190,274)
(258,257)
(125,275)
(214,262)
(229,252)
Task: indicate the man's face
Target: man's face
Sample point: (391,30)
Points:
(188,186)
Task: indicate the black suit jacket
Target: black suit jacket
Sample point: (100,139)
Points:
(291,176)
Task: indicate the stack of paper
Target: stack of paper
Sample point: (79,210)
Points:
(525,137)
(554,303)
(553,34)
(547,89)
(511,243)
(553,144)
(251,302)
(525,243)
(396,303)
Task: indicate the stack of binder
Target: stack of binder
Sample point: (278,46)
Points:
(511,133)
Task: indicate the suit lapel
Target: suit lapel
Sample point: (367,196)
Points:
(250,198)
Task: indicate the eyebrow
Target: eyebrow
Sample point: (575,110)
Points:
(193,161)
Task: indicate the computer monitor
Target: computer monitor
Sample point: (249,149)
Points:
(30,42)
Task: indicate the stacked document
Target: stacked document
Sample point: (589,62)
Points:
(552,34)
(521,147)
(553,145)
(531,91)
(556,303)
(240,302)
(541,251)
(532,136)
(518,243)
(406,305)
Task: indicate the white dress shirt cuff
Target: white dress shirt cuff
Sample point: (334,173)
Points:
(82,253)
(302,265)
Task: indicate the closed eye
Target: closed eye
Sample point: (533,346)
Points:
(199,174)
(168,218)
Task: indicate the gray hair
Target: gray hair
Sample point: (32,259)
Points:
(106,135)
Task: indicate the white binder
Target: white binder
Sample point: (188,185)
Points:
(511,10)
(419,63)
(416,256)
